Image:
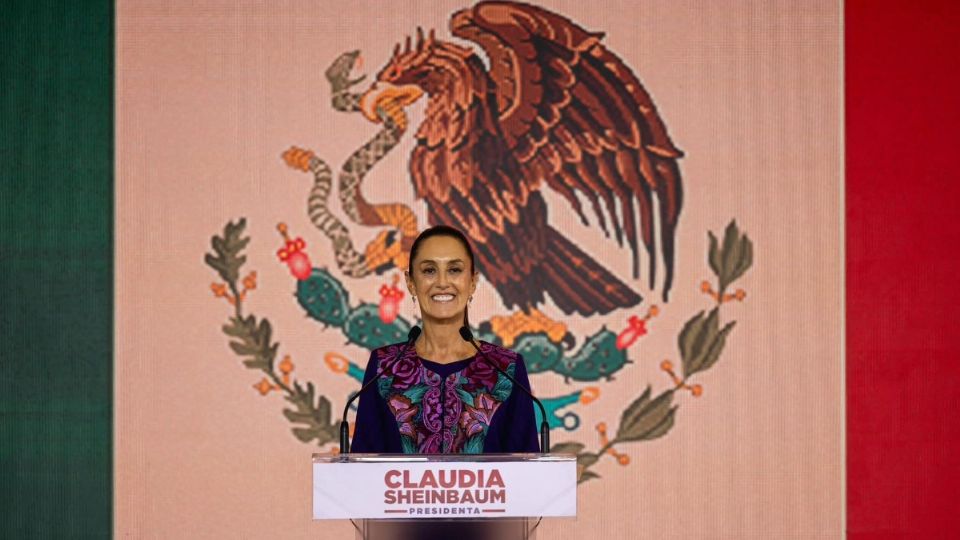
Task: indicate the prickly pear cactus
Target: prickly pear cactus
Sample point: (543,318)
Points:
(539,353)
(598,357)
(324,298)
(364,328)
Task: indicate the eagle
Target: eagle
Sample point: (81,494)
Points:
(555,109)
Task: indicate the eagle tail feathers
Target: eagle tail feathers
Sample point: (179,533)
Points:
(577,283)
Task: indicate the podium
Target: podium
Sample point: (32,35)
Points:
(442,496)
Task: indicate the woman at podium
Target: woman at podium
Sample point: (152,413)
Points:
(439,394)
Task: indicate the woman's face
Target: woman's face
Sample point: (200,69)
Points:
(442,279)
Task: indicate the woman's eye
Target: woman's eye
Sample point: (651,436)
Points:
(455,270)
(428,271)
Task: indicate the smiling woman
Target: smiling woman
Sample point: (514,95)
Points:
(442,277)
(439,395)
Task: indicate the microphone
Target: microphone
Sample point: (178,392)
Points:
(467,335)
(344,425)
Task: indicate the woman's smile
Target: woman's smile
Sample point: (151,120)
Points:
(442,279)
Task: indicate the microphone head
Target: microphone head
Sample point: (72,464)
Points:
(414,333)
(466,334)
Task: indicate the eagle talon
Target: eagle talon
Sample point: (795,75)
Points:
(509,328)
(385,253)
(389,241)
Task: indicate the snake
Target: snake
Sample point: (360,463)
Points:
(398,217)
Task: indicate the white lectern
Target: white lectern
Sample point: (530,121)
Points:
(434,496)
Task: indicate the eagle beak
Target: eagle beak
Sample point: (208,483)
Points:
(389,98)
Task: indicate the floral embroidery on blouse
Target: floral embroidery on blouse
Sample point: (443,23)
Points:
(449,414)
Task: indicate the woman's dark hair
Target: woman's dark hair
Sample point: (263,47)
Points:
(443,230)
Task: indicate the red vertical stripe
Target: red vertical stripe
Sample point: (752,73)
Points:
(903,262)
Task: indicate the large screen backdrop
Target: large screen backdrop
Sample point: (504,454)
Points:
(653,190)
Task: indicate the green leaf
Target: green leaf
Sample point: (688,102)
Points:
(243,348)
(687,338)
(323,410)
(713,353)
(695,339)
(701,342)
(630,414)
(730,253)
(264,332)
(226,258)
(663,427)
(714,257)
(707,333)
(257,363)
(643,418)
(697,342)
(566,448)
(587,475)
(313,415)
(734,258)
(587,459)
(252,340)
(236,327)
(745,260)
(272,355)
(295,416)
(306,434)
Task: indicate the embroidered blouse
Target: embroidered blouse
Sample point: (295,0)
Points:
(423,407)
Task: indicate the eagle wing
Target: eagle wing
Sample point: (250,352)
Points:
(577,118)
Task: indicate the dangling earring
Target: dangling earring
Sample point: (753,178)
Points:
(470,300)
(416,311)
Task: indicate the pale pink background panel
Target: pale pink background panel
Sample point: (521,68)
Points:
(210,94)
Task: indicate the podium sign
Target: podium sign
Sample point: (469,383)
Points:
(371,486)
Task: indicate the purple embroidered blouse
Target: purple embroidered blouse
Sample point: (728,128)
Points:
(422,407)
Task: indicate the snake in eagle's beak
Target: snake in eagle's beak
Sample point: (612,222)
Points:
(391,100)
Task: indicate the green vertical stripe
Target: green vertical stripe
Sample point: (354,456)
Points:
(56,268)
